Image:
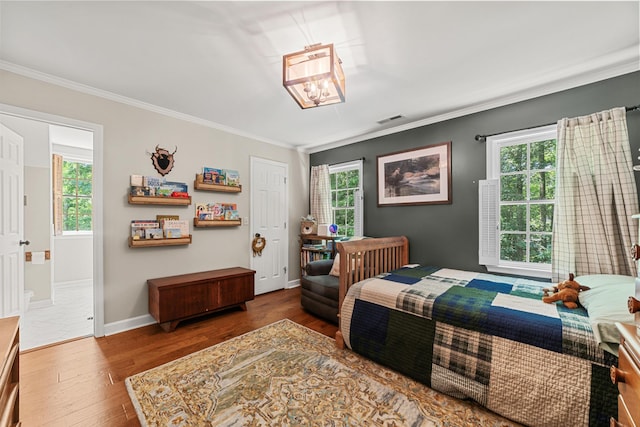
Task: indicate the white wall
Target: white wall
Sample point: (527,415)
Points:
(130,134)
(73,260)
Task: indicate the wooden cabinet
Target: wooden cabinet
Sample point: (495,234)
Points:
(314,247)
(176,298)
(10,372)
(627,376)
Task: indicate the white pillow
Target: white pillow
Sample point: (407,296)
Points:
(606,303)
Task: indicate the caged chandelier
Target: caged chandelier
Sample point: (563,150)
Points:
(314,76)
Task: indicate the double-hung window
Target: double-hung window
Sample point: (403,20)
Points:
(346,197)
(517,202)
(72,195)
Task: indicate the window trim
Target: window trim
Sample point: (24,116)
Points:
(493,145)
(59,198)
(358,197)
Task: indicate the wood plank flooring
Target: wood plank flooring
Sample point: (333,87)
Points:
(81,383)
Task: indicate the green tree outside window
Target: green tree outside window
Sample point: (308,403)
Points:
(77,190)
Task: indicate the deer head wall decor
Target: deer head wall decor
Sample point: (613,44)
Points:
(163,160)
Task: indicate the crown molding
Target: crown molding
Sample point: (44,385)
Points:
(89,90)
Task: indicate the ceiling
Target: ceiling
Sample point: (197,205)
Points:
(220,63)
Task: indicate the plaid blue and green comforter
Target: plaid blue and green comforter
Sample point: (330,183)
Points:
(484,337)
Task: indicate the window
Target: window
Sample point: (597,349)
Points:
(73,180)
(346,197)
(517,202)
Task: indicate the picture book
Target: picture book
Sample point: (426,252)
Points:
(139,227)
(153,233)
(232,177)
(172,233)
(207,175)
(182,225)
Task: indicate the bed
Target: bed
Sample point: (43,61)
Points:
(474,336)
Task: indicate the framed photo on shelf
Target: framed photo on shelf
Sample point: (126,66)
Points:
(418,176)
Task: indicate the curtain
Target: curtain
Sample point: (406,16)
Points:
(320,194)
(596,196)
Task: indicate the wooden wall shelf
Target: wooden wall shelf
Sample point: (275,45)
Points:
(198,184)
(216,223)
(156,200)
(152,243)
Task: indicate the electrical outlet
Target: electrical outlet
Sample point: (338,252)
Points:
(245,220)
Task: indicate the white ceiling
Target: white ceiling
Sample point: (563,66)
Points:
(220,63)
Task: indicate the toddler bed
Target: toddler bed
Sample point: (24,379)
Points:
(474,336)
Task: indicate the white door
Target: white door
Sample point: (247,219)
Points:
(11,222)
(269,203)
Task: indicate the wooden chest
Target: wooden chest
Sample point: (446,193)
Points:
(176,298)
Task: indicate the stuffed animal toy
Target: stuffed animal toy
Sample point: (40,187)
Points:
(566,291)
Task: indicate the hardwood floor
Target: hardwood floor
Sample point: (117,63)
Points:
(81,383)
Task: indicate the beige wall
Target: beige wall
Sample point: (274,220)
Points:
(130,134)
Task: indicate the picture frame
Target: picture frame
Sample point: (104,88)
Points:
(418,176)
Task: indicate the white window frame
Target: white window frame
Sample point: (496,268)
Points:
(76,155)
(489,204)
(358,197)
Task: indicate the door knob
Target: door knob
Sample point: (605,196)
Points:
(24,242)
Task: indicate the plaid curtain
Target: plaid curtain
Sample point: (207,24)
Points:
(320,193)
(596,196)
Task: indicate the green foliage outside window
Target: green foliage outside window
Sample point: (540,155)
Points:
(77,191)
(527,195)
(343,195)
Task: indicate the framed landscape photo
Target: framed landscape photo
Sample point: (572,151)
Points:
(415,177)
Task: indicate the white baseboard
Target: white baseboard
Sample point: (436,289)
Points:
(128,324)
(293,284)
(147,319)
(43,303)
(72,283)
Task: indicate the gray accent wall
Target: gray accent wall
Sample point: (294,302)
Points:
(447,235)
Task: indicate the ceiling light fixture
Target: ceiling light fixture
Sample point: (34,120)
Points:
(314,76)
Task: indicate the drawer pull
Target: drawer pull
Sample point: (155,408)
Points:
(633,304)
(617,375)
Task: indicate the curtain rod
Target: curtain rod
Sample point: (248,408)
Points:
(347,161)
(483,138)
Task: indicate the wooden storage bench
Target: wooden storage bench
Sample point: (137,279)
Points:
(176,298)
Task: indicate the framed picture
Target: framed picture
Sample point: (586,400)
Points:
(415,177)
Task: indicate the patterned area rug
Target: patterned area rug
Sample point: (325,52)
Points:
(285,374)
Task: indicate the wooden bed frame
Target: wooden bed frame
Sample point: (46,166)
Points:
(362,259)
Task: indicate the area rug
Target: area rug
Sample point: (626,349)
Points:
(285,374)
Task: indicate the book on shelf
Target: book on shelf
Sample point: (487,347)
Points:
(217,211)
(161,218)
(172,233)
(181,225)
(232,177)
(139,227)
(153,233)
(154,186)
(213,176)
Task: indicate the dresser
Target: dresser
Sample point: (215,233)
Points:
(10,372)
(173,299)
(627,374)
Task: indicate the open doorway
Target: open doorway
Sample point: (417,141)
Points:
(59,283)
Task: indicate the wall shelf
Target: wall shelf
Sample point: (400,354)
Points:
(151,243)
(201,223)
(198,184)
(156,200)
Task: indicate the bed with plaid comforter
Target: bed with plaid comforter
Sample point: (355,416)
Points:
(484,337)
